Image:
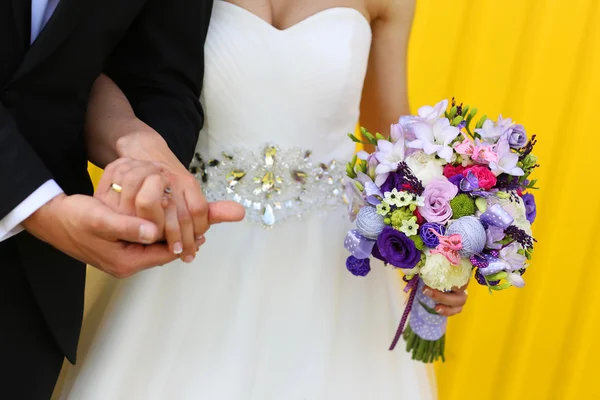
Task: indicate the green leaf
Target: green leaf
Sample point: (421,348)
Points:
(379,136)
(350,171)
(465,111)
(457,120)
(370,138)
(481,121)
(473,113)
(356,140)
(359,186)
(498,276)
(362,166)
(452,113)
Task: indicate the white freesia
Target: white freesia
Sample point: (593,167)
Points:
(425,167)
(439,274)
(389,156)
(435,138)
(491,131)
(432,114)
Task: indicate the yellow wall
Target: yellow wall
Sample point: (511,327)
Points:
(537,61)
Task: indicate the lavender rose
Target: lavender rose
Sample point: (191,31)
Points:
(395,248)
(517,137)
(530,207)
(438,194)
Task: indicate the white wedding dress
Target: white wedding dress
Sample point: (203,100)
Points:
(263,314)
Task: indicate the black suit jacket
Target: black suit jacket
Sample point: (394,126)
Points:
(153,49)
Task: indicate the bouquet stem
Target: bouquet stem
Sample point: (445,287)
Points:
(425,333)
(426,351)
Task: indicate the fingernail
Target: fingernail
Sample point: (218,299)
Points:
(439,310)
(177,248)
(200,237)
(200,242)
(146,234)
(427,292)
(188,259)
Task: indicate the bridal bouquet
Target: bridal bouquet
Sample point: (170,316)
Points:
(441,199)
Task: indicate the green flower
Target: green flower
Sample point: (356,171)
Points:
(383,208)
(462,205)
(399,215)
(398,199)
(418,242)
(409,227)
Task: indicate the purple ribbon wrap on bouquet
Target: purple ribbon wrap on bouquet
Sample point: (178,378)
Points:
(426,325)
(358,245)
(494,266)
(497,216)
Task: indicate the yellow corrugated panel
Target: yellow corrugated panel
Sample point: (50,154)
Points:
(539,63)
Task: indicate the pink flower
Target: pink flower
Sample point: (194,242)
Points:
(465,148)
(482,153)
(438,194)
(486,178)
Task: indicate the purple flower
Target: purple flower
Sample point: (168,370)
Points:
(395,248)
(530,207)
(429,238)
(456,179)
(517,137)
(358,267)
(393,181)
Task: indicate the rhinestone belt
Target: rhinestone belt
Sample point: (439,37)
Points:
(273,184)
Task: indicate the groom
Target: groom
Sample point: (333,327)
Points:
(52,51)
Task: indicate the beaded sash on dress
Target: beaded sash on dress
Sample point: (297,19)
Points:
(274,184)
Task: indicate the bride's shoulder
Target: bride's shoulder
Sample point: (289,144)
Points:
(392,10)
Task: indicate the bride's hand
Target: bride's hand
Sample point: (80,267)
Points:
(189,215)
(447,303)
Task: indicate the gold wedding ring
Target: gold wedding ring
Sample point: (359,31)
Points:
(116,188)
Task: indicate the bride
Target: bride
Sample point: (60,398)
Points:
(268,310)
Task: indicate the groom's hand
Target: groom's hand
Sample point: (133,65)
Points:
(91,232)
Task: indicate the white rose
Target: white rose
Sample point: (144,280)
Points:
(425,167)
(439,274)
(516,209)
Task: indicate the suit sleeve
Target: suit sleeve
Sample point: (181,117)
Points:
(22,172)
(159,65)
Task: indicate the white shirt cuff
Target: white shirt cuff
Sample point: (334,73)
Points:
(10,225)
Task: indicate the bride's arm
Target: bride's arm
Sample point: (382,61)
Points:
(112,129)
(385,95)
